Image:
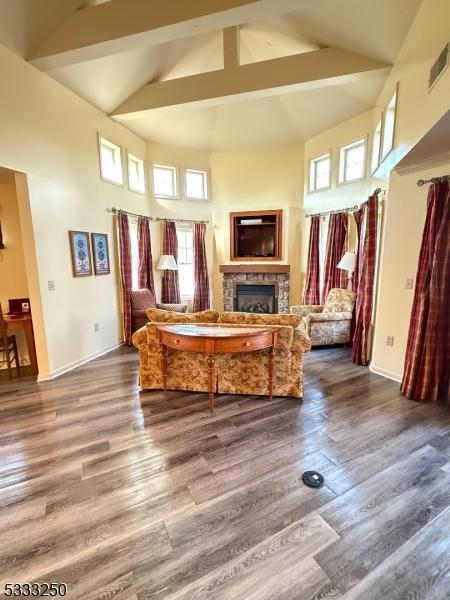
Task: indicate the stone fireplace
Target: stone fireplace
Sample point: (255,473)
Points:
(256,288)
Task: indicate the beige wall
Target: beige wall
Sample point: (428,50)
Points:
(13,280)
(260,178)
(53,139)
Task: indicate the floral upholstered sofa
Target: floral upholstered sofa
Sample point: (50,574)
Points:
(237,373)
(329,323)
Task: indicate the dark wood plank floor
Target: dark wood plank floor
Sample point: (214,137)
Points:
(136,496)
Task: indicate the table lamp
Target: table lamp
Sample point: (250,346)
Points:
(167,263)
(347,263)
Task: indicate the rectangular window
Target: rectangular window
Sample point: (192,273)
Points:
(196,185)
(376,144)
(136,174)
(186,263)
(320,173)
(134,246)
(165,181)
(389,127)
(352,161)
(110,161)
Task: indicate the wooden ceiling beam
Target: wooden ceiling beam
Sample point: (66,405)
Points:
(328,66)
(122,25)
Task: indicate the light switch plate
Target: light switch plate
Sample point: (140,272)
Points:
(409,283)
(51,286)
(390,340)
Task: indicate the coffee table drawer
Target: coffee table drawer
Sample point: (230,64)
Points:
(243,345)
(183,342)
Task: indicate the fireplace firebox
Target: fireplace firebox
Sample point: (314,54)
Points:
(256,297)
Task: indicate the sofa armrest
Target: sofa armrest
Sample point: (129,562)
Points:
(172,307)
(301,341)
(139,337)
(337,316)
(304,309)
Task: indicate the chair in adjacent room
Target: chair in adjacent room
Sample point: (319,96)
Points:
(329,323)
(8,346)
(143,299)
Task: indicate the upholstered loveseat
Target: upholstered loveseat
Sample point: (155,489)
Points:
(237,373)
(328,323)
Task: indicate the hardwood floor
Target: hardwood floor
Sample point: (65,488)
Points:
(135,496)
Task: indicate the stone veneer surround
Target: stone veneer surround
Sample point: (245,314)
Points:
(281,280)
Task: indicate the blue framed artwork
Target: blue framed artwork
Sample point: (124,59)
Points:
(101,253)
(80,249)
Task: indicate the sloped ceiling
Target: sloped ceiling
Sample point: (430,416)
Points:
(373,28)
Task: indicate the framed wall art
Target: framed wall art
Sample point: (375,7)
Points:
(101,253)
(81,253)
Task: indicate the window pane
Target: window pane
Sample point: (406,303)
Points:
(136,178)
(389,122)
(164,181)
(186,276)
(110,161)
(322,173)
(185,263)
(376,147)
(196,184)
(354,162)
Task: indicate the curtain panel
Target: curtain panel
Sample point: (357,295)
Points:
(125,273)
(145,271)
(427,361)
(170,280)
(336,247)
(364,298)
(311,293)
(201,279)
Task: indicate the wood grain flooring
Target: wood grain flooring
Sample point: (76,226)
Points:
(137,496)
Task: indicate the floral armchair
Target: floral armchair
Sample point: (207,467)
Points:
(329,323)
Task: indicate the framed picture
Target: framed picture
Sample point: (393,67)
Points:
(101,253)
(81,253)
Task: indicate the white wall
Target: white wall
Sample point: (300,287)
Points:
(51,135)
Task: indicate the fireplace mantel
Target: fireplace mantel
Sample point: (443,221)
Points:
(255,268)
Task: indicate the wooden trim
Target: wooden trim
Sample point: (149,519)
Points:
(255,268)
(278,234)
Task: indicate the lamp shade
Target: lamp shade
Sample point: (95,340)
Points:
(167,263)
(347,262)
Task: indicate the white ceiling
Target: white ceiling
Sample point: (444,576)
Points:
(374,28)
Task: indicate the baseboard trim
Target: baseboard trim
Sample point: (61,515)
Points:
(384,373)
(77,363)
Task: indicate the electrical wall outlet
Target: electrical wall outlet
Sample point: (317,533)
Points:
(409,283)
(390,340)
(96,327)
(51,286)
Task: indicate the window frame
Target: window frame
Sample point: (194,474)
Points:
(116,147)
(344,148)
(174,169)
(144,177)
(189,229)
(393,96)
(205,174)
(380,125)
(314,160)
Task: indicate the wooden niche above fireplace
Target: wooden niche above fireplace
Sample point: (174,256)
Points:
(256,235)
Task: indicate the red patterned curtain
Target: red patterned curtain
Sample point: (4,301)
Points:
(145,272)
(358,215)
(336,247)
(125,272)
(311,293)
(170,281)
(201,280)
(364,299)
(427,361)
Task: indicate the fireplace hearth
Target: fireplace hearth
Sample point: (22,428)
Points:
(256,288)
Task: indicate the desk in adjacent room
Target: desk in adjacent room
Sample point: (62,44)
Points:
(24,322)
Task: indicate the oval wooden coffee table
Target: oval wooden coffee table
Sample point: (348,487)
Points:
(216,339)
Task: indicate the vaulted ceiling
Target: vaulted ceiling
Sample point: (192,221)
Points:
(158,66)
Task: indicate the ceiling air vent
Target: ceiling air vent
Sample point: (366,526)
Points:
(439,67)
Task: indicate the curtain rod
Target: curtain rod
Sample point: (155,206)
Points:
(422,182)
(119,210)
(334,212)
